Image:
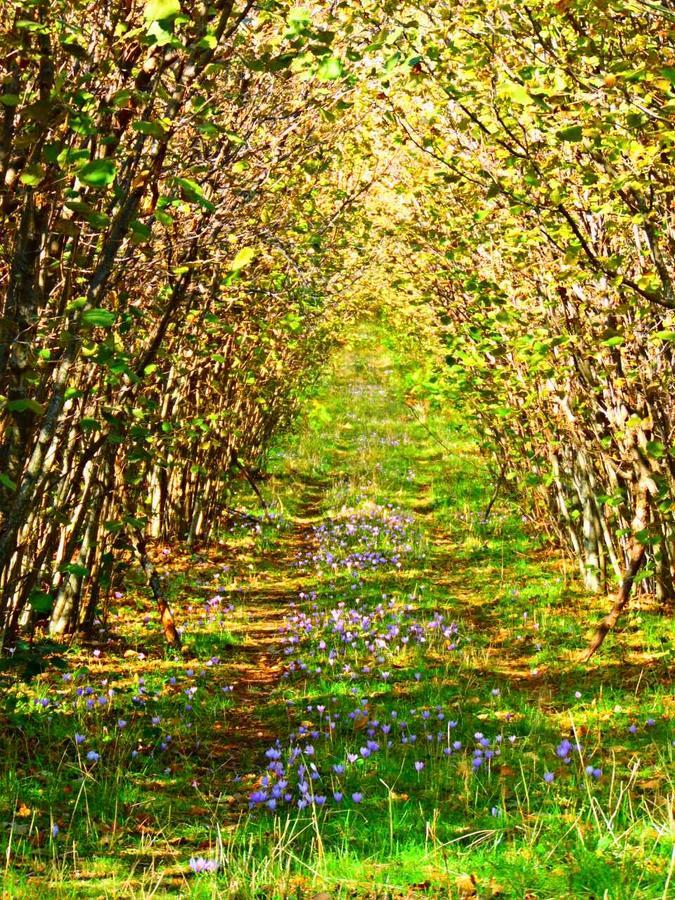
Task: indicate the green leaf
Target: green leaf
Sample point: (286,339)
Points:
(25,404)
(649,282)
(98,173)
(655,449)
(515,92)
(573,133)
(140,231)
(298,19)
(283,61)
(243,258)
(153,129)
(70,45)
(208,42)
(7,482)
(135,521)
(392,62)
(330,69)
(95,218)
(32,175)
(160,36)
(163,218)
(65,156)
(664,335)
(194,193)
(97,318)
(669,73)
(113,526)
(41,602)
(75,569)
(158,10)
(29,25)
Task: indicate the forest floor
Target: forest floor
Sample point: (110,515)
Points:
(380,694)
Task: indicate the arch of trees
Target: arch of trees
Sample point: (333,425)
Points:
(191,192)
(543,235)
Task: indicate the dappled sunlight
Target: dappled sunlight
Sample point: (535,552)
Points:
(372,678)
(337,467)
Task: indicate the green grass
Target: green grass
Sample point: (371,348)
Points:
(128,824)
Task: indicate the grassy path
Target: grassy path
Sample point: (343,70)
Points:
(379,697)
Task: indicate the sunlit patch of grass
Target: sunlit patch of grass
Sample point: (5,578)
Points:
(207,644)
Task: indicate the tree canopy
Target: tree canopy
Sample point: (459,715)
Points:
(199,199)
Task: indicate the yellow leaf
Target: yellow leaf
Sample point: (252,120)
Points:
(242,259)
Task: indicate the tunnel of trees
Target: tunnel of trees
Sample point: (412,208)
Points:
(337,473)
(200,199)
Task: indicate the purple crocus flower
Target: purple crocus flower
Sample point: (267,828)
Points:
(199,865)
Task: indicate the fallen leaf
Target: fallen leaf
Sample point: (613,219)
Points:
(466,885)
(651,784)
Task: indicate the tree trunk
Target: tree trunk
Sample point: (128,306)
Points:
(636,557)
(635,561)
(152,576)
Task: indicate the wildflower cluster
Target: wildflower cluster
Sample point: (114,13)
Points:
(360,540)
(134,719)
(353,639)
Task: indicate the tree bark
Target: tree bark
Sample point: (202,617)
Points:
(636,557)
(152,576)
